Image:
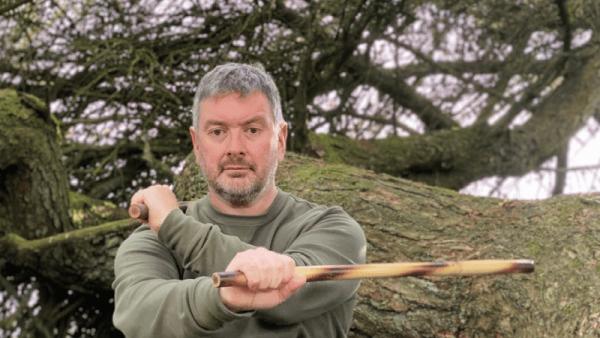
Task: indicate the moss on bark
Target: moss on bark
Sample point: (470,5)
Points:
(33,183)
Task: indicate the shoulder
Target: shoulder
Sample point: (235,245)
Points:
(300,203)
(325,235)
(322,215)
(196,207)
(308,206)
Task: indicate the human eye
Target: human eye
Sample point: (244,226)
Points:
(217,132)
(253,131)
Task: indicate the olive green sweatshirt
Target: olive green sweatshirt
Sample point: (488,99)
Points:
(163,287)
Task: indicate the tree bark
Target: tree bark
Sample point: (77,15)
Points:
(33,182)
(42,248)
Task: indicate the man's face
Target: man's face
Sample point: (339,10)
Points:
(237,146)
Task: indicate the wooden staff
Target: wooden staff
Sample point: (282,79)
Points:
(382,270)
(140,211)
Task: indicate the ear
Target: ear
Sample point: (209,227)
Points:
(281,139)
(195,142)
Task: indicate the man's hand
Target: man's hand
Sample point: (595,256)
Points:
(160,201)
(271,280)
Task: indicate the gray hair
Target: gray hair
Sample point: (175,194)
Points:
(237,78)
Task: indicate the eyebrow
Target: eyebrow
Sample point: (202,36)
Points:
(255,119)
(213,123)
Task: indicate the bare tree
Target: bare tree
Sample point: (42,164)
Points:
(450,80)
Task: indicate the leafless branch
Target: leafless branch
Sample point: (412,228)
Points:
(560,179)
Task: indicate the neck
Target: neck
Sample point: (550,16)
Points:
(258,207)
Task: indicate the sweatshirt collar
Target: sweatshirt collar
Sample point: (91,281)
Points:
(232,220)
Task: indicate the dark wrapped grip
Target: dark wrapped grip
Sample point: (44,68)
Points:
(138,211)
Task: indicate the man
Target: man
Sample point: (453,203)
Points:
(245,223)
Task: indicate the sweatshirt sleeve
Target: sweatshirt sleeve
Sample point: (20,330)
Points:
(335,238)
(150,298)
(199,245)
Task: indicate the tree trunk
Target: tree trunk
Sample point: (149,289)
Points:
(33,182)
(71,277)
(403,221)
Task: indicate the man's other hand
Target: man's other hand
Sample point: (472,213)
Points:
(160,201)
(271,280)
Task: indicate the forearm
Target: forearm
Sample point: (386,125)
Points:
(168,308)
(151,301)
(199,245)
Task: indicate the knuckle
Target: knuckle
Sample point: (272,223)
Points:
(237,256)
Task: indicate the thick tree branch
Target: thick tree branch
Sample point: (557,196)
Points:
(386,82)
(80,259)
(454,158)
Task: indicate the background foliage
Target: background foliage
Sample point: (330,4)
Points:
(120,75)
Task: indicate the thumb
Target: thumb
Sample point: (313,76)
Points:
(292,286)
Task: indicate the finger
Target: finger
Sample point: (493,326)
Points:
(289,270)
(265,264)
(239,261)
(249,267)
(288,289)
(268,265)
(277,272)
(138,197)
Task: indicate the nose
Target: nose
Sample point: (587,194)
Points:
(236,145)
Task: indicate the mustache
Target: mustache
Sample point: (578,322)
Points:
(236,161)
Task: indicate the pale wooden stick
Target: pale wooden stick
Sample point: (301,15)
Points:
(382,270)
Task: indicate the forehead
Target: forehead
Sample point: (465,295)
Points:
(234,107)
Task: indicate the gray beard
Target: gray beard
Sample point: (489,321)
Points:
(244,197)
(238,198)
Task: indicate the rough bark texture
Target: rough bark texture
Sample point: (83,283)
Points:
(35,200)
(43,230)
(33,182)
(403,221)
